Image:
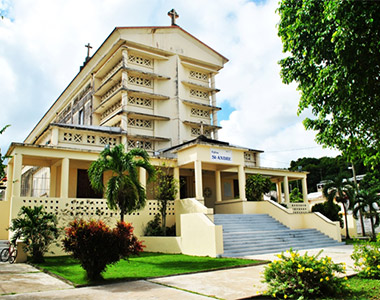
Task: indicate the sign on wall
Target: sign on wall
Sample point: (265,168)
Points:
(221,155)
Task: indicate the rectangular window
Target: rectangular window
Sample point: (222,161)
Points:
(196,112)
(198,75)
(139,60)
(81,117)
(199,94)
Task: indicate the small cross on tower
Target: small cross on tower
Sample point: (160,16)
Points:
(173,15)
(88,46)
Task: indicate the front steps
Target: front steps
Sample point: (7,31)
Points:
(259,234)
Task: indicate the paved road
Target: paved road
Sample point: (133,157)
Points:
(21,281)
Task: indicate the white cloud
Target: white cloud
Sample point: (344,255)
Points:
(43,47)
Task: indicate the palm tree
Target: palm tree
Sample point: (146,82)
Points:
(368,202)
(342,191)
(36,228)
(123,189)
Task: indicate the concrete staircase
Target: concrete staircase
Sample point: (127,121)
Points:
(260,233)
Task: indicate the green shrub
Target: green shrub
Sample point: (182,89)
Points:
(37,229)
(95,245)
(330,210)
(257,185)
(302,277)
(154,228)
(367,258)
(296,196)
(166,191)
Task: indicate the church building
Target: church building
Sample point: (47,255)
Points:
(153,88)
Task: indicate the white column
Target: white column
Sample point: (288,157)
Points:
(257,159)
(279,192)
(177,179)
(65,178)
(213,103)
(54,136)
(142,177)
(218,186)
(304,190)
(198,180)
(286,189)
(53,181)
(125,57)
(241,176)
(9,190)
(16,180)
(124,141)
(124,104)
(96,116)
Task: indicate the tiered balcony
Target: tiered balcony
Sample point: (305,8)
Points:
(134,82)
(86,137)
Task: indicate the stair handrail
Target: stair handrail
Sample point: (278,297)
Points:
(333,229)
(287,210)
(195,207)
(324,218)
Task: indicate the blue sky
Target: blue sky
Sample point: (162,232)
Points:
(42,46)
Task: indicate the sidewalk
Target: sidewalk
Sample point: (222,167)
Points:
(29,283)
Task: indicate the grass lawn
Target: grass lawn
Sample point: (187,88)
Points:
(361,288)
(146,265)
(356,241)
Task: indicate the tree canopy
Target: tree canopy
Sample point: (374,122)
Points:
(334,56)
(257,185)
(342,191)
(166,190)
(325,168)
(368,201)
(123,190)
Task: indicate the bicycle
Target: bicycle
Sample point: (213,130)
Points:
(9,254)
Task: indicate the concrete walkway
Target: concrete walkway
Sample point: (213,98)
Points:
(21,281)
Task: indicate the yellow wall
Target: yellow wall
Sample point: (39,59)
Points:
(163,244)
(352,226)
(186,206)
(56,205)
(21,255)
(209,182)
(58,181)
(72,182)
(4,219)
(295,221)
(229,207)
(203,153)
(200,236)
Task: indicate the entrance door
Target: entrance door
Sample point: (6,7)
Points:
(236,189)
(183,187)
(84,189)
(187,187)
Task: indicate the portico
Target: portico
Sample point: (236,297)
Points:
(214,172)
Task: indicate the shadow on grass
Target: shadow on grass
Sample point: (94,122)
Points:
(59,260)
(147,265)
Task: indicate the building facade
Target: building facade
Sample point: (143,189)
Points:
(152,88)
